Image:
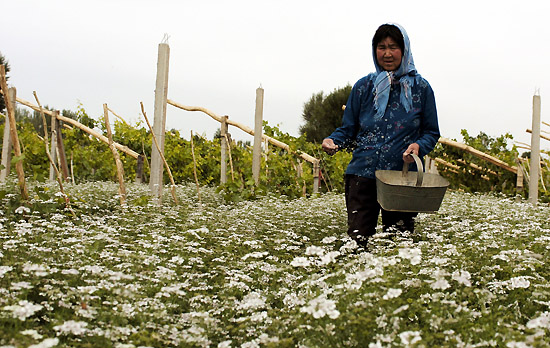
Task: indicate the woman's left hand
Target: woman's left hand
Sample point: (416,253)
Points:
(413,148)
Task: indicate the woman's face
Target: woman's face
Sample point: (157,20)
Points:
(388,54)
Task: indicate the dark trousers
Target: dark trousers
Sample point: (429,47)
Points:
(363,210)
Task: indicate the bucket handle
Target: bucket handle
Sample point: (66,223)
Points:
(419,167)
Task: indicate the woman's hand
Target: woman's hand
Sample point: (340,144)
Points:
(329,146)
(413,148)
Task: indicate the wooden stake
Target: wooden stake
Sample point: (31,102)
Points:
(119,166)
(244,128)
(478,154)
(13,131)
(52,163)
(79,125)
(7,144)
(173,188)
(230,159)
(195,168)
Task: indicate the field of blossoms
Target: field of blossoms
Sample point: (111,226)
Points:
(267,273)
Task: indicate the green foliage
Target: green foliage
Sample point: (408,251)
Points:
(475,174)
(282,173)
(323,114)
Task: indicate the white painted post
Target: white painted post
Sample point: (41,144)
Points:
(258,130)
(159,124)
(534,170)
(7,142)
(223,142)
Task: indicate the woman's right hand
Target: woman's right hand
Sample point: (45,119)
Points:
(329,146)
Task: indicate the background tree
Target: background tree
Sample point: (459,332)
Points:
(4,61)
(323,114)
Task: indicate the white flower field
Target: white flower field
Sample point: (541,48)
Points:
(267,273)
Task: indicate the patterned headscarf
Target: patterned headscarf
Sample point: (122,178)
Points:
(404,74)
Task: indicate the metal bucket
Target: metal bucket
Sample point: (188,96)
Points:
(410,191)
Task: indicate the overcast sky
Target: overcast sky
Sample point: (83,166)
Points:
(484,59)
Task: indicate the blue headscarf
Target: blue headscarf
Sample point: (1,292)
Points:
(404,74)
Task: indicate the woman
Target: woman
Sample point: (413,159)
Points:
(389,114)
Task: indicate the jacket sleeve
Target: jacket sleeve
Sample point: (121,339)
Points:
(344,136)
(429,133)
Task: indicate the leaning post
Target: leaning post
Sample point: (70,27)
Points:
(159,123)
(223,143)
(534,170)
(258,130)
(7,141)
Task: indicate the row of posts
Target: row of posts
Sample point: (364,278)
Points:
(159,126)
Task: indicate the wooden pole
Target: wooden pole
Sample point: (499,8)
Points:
(53,145)
(316,169)
(258,130)
(229,152)
(52,163)
(244,128)
(542,136)
(519,180)
(79,125)
(61,149)
(534,169)
(195,169)
(478,154)
(7,142)
(223,145)
(159,125)
(173,188)
(118,162)
(139,169)
(13,132)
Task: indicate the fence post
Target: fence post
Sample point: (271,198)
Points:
(519,180)
(7,140)
(53,145)
(223,142)
(316,171)
(159,123)
(61,149)
(534,170)
(258,130)
(139,169)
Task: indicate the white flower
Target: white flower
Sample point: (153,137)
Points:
(22,210)
(463,277)
(225,344)
(300,262)
(24,309)
(315,250)
(252,301)
(440,284)
(514,344)
(414,255)
(410,337)
(543,321)
(47,343)
(255,255)
(251,344)
(518,282)
(72,327)
(328,240)
(329,257)
(392,293)
(321,306)
(32,333)
(4,270)
(38,270)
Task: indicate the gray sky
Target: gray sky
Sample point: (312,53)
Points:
(484,59)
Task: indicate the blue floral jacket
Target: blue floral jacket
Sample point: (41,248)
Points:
(378,142)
